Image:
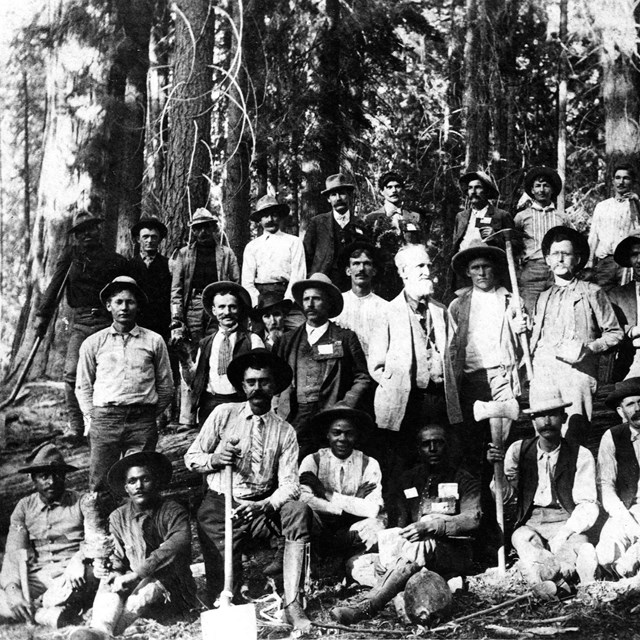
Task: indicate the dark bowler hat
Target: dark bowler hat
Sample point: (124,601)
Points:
(485,178)
(477,249)
(622,390)
(210,291)
(149,222)
(323,282)
(268,205)
(119,283)
(204,216)
(260,359)
(82,220)
(623,250)
(359,419)
(579,242)
(157,462)
(46,457)
(267,301)
(362,245)
(543,172)
(337,181)
(390,176)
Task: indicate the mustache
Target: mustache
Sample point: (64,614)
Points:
(259,395)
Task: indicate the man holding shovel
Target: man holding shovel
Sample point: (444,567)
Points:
(263,451)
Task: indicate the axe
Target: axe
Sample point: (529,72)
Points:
(500,416)
(507,235)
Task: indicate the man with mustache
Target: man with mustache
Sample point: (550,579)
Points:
(124,382)
(263,450)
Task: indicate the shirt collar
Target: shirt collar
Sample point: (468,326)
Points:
(551,454)
(391,209)
(342,461)
(539,207)
(635,434)
(265,236)
(341,217)
(64,501)
(415,305)
(481,213)
(135,332)
(247,414)
(322,328)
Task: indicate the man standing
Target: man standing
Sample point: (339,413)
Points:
(573,323)
(124,382)
(327,361)
(613,220)
(84,270)
(328,233)
(543,185)
(262,448)
(363,309)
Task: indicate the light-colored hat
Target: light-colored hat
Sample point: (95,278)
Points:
(485,178)
(477,249)
(203,216)
(544,398)
(323,282)
(269,204)
(337,181)
(123,282)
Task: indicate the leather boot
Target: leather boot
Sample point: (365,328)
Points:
(393,583)
(274,568)
(107,609)
(293,572)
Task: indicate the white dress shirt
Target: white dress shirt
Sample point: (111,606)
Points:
(486,318)
(362,315)
(612,221)
(342,219)
(315,333)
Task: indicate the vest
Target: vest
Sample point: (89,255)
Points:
(561,483)
(628,468)
(309,372)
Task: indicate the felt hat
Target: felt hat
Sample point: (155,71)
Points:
(269,300)
(210,291)
(622,390)
(543,172)
(623,250)
(363,421)
(544,398)
(203,216)
(485,178)
(337,181)
(46,457)
(388,177)
(579,242)
(149,222)
(319,281)
(159,463)
(267,205)
(362,245)
(477,249)
(84,219)
(123,282)
(260,359)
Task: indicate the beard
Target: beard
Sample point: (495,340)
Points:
(420,289)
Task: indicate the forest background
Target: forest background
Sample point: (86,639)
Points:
(135,107)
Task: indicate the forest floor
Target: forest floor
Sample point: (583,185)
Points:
(599,610)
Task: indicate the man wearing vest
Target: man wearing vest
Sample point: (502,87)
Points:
(554,485)
(618,472)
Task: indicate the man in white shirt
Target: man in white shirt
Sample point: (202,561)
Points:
(613,219)
(363,310)
(553,484)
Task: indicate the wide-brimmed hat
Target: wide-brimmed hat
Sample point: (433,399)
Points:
(544,398)
(362,245)
(203,216)
(323,282)
(622,390)
(477,249)
(623,250)
(123,282)
(260,359)
(159,464)
(361,420)
(485,178)
(579,242)
(210,291)
(149,222)
(46,457)
(543,172)
(337,181)
(267,205)
(83,219)
(387,177)
(267,301)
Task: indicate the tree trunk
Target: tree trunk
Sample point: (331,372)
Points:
(562,105)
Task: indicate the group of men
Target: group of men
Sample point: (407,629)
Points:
(358,414)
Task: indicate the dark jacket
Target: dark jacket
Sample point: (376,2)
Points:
(624,301)
(500,219)
(628,469)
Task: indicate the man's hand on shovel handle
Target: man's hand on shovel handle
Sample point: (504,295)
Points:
(226,455)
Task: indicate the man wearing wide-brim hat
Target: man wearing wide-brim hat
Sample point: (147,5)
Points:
(543,185)
(274,260)
(553,484)
(328,233)
(124,382)
(262,448)
(618,472)
(150,564)
(82,270)
(48,526)
(327,361)
(203,261)
(270,314)
(574,322)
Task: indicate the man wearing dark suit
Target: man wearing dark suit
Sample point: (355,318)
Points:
(327,361)
(328,233)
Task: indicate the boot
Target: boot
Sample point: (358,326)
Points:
(274,568)
(54,617)
(393,582)
(107,609)
(293,573)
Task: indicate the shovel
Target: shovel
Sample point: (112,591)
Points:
(229,621)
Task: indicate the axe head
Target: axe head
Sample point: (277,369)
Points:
(507,409)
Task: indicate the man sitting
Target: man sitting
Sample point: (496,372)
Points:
(554,484)
(439,506)
(46,533)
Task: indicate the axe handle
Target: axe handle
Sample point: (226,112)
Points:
(227,593)
(498,436)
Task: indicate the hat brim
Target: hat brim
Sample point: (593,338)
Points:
(282,372)
(195,223)
(154,459)
(350,187)
(548,409)
(36,468)
(211,290)
(461,260)
(285,303)
(613,399)
(579,242)
(149,224)
(623,250)
(336,301)
(492,190)
(105,294)
(361,420)
(543,172)
(85,224)
(281,210)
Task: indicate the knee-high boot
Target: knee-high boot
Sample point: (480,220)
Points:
(293,574)
(107,610)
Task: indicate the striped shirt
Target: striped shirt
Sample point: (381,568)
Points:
(533,222)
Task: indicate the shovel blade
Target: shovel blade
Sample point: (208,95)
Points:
(237,622)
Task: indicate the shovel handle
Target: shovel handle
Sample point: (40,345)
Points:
(227,593)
